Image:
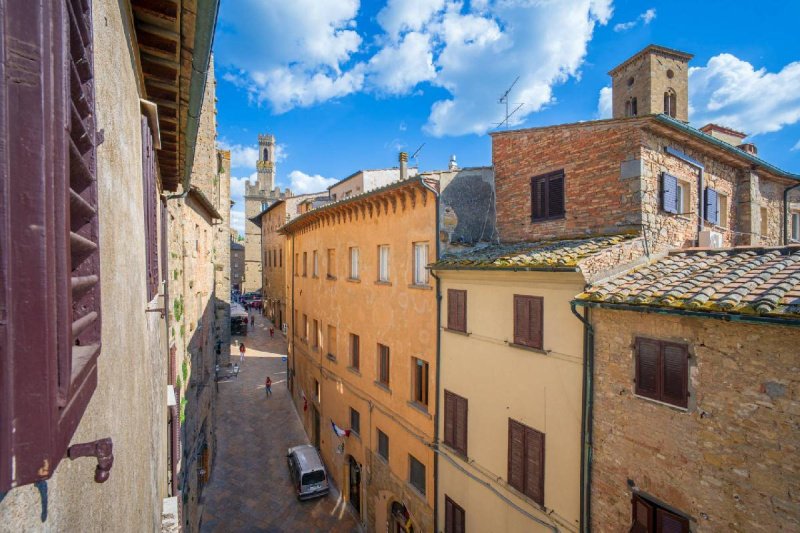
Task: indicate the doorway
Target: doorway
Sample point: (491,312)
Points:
(315,425)
(355,485)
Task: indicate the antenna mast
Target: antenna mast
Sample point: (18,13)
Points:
(414,155)
(504,100)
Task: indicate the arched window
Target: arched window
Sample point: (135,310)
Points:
(266,154)
(631,108)
(670,102)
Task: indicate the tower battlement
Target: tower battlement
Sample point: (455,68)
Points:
(266,138)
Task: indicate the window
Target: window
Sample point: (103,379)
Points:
(631,108)
(331,263)
(296,324)
(315,266)
(383,364)
(675,194)
(796,227)
(353,263)
(315,334)
(457,310)
(305,327)
(453,517)
(332,342)
(355,421)
(670,102)
(149,176)
(764,223)
(383,263)
(416,474)
(528,321)
(49,202)
(297,264)
(305,264)
(355,351)
(723,210)
(547,196)
(649,517)
(420,262)
(662,371)
(455,422)
(711,206)
(420,381)
(317,390)
(280,258)
(383,445)
(526,460)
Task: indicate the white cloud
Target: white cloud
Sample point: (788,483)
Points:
(302,183)
(397,69)
(280,152)
(245,157)
(405,15)
(237,219)
(645,18)
(731,92)
(796,146)
(604,103)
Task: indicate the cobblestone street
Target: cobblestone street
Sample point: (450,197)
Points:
(250,488)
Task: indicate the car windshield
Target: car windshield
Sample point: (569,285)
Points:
(312,478)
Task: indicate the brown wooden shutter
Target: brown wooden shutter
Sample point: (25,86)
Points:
(555,196)
(452,313)
(538,199)
(667,522)
(647,368)
(521,320)
(150,202)
(448,515)
(457,310)
(461,416)
(534,465)
(536,315)
(675,361)
(516,455)
(642,515)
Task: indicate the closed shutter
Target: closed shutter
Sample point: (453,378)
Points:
(449,418)
(538,199)
(534,465)
(457,310)
(150,202)
(675,374)
(555,196)
(712,206)
(535,305)
(516,455)
(461,425)
(647,368)
(448,515)
(459,520)
(667,522)
(522,320)
(642,515)
(669,193)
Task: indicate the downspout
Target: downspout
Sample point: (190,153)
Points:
(438,373)
(786,192)
(290,338)
(701,203)
(586,420)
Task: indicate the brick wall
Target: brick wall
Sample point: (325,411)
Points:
(730,461)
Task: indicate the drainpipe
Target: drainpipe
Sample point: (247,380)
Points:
(701,204)
(586,419)
(438,373)
(786,192)
(290,338)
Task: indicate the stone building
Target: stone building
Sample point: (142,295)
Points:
(222,248)
(695,385)
(237,264)
(257,197)
(96,130)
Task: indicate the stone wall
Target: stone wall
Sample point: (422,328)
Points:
(730,460)
(222,248)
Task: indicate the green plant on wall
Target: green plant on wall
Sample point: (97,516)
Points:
(183,409)
(185,370)
(175,274)
(183,330)
(178,382)
(177,308)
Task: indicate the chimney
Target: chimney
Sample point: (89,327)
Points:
(403,165)
(453,165)
(724,134)
(750,148)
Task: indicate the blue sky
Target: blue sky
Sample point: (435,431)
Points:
(344,84)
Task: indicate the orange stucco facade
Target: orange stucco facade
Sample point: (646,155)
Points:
(328,304)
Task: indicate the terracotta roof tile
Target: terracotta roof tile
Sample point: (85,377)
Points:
(756,281)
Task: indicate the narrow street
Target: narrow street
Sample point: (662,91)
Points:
(250,488)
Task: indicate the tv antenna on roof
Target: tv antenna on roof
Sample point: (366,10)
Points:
(414,155)
(504,100)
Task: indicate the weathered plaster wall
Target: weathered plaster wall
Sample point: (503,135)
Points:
(467,207)
(730,461)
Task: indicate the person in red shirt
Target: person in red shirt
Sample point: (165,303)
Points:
(268,386)
(241,354)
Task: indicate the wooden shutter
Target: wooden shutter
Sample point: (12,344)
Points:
(667,522)
(460,434)
(538,199)
(457,310)
(555,196)
(669,193)
(712,206)
(675,362)
(647,368)
(534,465)
(454,519)
(516,455)
(150,202)
(528,321)
(449,418)
(642,515)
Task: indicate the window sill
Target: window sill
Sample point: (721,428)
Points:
(353,280)
(330,278)
(458,453)
(385,283)
(382,459)
(383,386)
(416,491)
(421,287)
(548,219)
(458,332)
(354,370)
(354,433)
(315,277)
(419,407)
(659,402)
(331,357)
(528,348)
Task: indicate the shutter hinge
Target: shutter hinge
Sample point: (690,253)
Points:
(99,137)
(101,449)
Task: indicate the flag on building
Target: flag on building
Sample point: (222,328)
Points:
(339,431)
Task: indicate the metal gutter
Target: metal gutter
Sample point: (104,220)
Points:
(438,295)
(504,269)
(587,419)
(728,317)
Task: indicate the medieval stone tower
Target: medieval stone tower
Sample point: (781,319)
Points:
(656,80)
(257,197)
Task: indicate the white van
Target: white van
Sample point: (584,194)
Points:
(307,471)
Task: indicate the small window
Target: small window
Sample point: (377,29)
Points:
(305,264)
(297,264)
(528,321)
(416,474)
(315,334)
(353,263)
(420,262)
(723,210)
(355,351)
(280,258)
(383,364)
(383,263)
(670,102)
(547,196)
(331,263)
(662,371)
(457,310)
(796,227)
(649,517)
(315,266)
(454,517)
(526,460)
(331,342)
(420,381)
(711,207)
(383,445)
(455,422)
(317,391)
(355,421)
(305,327)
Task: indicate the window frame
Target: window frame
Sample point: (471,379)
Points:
(418,267)
(384,370)
(455,429)
(457,310)
(331,272)
(386,438)
(795,225)
(451,509)
(354,259)
(654,512)
(383,263)
(529,342)
(411,461)
(355,352)
(658,394)
(547,179)
(315,264)
(523,487)
(420,392)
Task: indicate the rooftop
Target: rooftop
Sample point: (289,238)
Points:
(653,48)
(751,281)
(564,254)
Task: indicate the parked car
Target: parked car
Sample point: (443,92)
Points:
(307,471)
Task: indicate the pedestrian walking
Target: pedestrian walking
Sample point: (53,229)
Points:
(241,354)
(271,332)
(253,321)
(268,386)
